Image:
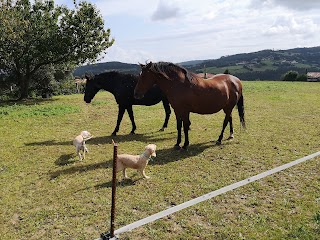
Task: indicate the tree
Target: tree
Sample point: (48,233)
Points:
(34,35)
(290,76)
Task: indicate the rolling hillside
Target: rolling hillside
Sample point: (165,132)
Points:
(261,65)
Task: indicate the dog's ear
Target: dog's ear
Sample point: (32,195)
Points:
(153,153)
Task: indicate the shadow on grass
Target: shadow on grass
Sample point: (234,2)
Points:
(146,138)
(108,140)
(164,156)
(48,143)
(80,168)
(26,102)
(65,159)
(121,183)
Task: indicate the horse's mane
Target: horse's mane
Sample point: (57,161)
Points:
(116,74)
(166,67)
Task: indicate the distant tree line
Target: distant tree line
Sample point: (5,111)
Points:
(295,76)
(278,74)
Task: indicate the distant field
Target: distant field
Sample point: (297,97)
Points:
(261,67)
(46,193)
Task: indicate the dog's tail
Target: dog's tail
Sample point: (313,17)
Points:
(86,139)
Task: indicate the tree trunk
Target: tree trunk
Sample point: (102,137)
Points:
(24,86)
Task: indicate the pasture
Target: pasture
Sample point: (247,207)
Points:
(47,193)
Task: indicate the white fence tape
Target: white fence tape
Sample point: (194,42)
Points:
(211,195)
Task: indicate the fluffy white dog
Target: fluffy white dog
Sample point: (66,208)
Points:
(138,162)
(80,143)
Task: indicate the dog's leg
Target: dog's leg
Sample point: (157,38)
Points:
(84,154)
(79,154)
(144,174)
(124,172)
(85,148)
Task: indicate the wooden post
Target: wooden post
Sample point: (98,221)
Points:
(107,236)
(114,186)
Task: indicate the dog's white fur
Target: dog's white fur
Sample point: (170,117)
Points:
(138,162)
(80,143)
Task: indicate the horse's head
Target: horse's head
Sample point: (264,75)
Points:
(92,87)
(146,80)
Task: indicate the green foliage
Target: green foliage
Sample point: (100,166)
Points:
(290,76)
(294,76)
(37,34)
(302,78)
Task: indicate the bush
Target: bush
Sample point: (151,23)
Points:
(302,78)
(290,76)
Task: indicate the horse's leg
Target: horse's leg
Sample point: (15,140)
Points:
(167,109)
(179,126)
(186,126)
(130,112)
(121,110)
(225,123)
(231,128)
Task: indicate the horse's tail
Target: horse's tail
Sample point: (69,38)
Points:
(240,106)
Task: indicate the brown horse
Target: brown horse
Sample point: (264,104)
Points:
(187,93)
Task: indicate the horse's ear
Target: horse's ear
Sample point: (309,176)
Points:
(142,65)
(149,65)
(88,76)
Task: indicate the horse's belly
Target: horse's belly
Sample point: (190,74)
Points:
(207,106)
(205,110)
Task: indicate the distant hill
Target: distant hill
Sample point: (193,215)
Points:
(264,65)
(261,65)
(106,67)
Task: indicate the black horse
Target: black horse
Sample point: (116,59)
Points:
(122,87)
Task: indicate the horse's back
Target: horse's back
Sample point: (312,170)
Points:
(207,96)
(218,83)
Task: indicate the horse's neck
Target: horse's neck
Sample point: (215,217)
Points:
(166,84)
(109,85)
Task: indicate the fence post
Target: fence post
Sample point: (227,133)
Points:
(109,236)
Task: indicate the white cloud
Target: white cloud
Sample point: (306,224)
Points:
(116,53)
(165,11)
(293,26)
(290,4)
(298,4)
(141,8)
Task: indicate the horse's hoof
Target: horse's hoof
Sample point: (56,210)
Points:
(218,143)
(176,147)
(230,138)
(114,134)
(132,133)
(161,129)
(184,148)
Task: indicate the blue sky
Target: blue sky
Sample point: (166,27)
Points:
(183,30)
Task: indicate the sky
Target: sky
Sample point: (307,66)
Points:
(185,30)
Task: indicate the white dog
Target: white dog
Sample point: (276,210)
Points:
(80,143)
(138,162)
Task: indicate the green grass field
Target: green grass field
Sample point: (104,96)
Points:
(46,193)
